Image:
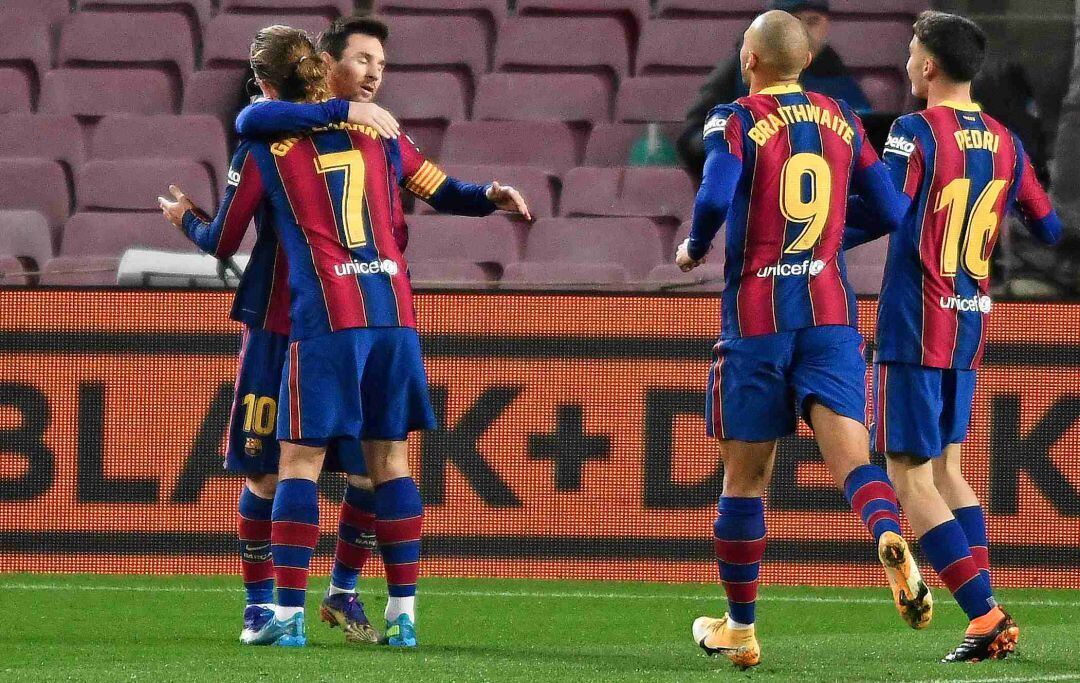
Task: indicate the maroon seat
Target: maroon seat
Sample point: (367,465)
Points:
(424,42)
(634,243)
(687,46)
(655,99)
(24,38)
(865,44)
(895,7)
(17,87)
(866,266)
(686,9)
(25,234)
(563,44)
(194,137)
(80,271)
(492,11)
(45,137)
(326,8)
(53,10)
(148,38)
(135,184)
(97,92)
(427,134)
(111,234)
(544,144)
(200,10)
(634,10)
(442,273)
(217,92)
(542,97)
(658,193)
(495,239)
(536,185)
(36,184)
(426,96)
(708,277)
(565,274)
(12,272)
(227,38)
(610,143)
(885,90)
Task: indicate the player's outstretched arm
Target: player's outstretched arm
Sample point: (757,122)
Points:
(270,118)
(1033,203)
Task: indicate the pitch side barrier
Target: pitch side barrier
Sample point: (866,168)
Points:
(571,442)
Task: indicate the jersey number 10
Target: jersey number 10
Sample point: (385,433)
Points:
(981,225)
(351,163)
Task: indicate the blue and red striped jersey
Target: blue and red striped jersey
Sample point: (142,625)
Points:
(797,155)
(963,171)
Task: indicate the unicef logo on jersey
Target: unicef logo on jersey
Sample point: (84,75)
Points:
(385,266)
(811,268)
(979,302)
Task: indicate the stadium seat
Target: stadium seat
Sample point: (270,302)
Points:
(24,39)
(36,184)
(492,11)
(866,266)
(217,92)
(657,193)
(633,243)
(636,11)
(687,46)
(433,274)
(12,272)
(563,44)
(414,44)
(227,38)
(97,92)
(80,271)
(866,44)
(328,9)
(708,277)
(41,136)
(885,90)
(25,234)
(112,233)
(427,135)
(194,137)
(565,274)
(656,99)
(895,7)
(536,185)
(424,96)
(53,10)
(135,184)
(200,10)
(495,239)
(610,143)
(17,86)
(147,38)
(543,97)
(543,144)
(687,9)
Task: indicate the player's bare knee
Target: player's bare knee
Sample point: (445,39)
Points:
(360,482)
(262,485)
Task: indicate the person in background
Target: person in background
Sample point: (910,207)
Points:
(826,75)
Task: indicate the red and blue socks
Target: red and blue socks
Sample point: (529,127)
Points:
(356,539)
(947,548)
(873,498)
(253,535)
(973,522)
(739,534)
(293,537)
(399,520)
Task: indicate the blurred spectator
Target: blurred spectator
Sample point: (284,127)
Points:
(826,74)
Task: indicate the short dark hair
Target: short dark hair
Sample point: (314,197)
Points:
(957,43)
(336,35)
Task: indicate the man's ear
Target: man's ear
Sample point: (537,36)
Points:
(328,59)
(751,61)
(930,69)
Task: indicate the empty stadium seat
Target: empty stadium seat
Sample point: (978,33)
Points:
(543,144)
(492,11)
(610,143)
(80,271)
(708,277)
(635,10)
(135,184)
(97,92)
(427,135)
(565,274)
(42,136)
(871,43)
(217,92)
(25,234)
(424,96)
(886,91)
(563,44)
(325,8)
(536,185)
(424,41)
(36,184)
(494,239)
(24,39)
(53,10)
(633,243)
(649,99)
(12,272)
(201,10)
(195,137)
(866,266)
(907,7)
(543,97)
(111,234)
(658,193)
(17,87)
(684,9)
(227,38)
(431,274)
(691,46)
(138,38)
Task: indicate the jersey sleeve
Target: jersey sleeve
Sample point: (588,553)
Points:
(723,168)
(724,131)
(269,118)
(445,194)
(1032,202)
(904,157)
(220,235)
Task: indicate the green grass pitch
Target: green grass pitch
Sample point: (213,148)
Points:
(142,628)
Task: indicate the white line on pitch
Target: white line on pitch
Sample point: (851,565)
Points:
(1008,679)
(539,595)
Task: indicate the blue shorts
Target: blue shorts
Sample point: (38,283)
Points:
(920,410)
(363,383)
(758,386)
(252,446)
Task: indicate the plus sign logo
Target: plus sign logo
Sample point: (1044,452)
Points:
(569,447)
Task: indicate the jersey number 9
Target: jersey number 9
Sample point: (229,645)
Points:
(813,212)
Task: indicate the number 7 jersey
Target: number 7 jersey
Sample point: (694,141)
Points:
(963,170)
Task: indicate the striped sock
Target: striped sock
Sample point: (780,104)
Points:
(873,498)
(973,522)
(356,538)
(253,536)
(740,543)
(293,537)
(947,548)
(399,519)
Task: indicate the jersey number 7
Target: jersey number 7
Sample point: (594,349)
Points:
(351,163)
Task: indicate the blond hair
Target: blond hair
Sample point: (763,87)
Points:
(285,58)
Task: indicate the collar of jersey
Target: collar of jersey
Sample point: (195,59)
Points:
(781,89)
(960,106)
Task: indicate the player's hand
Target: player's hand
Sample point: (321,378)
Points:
(682,257)
(372,115)
(174,209)
(508,199)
